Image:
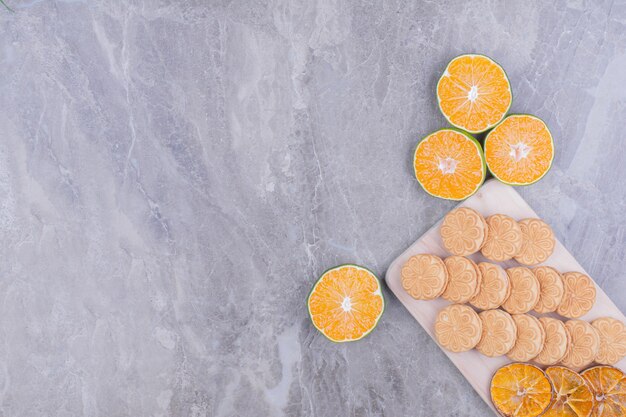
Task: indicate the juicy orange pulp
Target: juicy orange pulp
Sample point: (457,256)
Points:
(608,384)
(573,396)
(519,151)
(346,303)
(449,164)
(474,93)
(520,390)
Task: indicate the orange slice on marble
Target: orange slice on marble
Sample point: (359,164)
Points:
(474,93)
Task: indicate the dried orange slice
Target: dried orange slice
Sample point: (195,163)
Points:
(346,303)
(573,395)
(474,93)
(449,164)
(520,390)
(520,150)
(608,385)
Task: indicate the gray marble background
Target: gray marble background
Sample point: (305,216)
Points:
(175,175)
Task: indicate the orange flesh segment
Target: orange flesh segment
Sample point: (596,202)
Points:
(573,396)
(474,93)
(520,390)
(448,164)
(519,150)
(346,303)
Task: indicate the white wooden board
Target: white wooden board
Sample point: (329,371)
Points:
(493,197)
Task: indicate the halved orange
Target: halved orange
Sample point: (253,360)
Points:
(449,164)
(346,303)
(608,384)
(474,93)
(520,390)
(520,150)
(573,395)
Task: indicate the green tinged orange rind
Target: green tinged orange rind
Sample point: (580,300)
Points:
(449,164)
(346,303)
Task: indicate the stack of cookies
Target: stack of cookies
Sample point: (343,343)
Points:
(506,296)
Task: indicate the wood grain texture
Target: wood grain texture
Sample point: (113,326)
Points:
(494,197)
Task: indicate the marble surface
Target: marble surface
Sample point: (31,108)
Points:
(175,175)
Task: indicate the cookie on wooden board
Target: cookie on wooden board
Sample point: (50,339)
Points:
(612,340)
(585,344)
(494,287)
(424,276)
(499,333)
(537,242)
(579,296)
(463,279)
(524,291)
(530,338)
(556,344)
(463,231)
(458,328)
(551,289)
(504,238)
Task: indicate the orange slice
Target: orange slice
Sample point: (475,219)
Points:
(474,93)
(520,150)
(449,164)
(346,303)
(520,390)
(573,395)
(608,384)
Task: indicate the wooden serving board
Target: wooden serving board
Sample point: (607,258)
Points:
(492,198)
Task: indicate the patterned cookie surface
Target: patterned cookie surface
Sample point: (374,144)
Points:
(579,296)
(458,328)
(463,279)
(504,238)
(550,289)
(463,231)
(556,343)
(537,242)
(499,333)
(524,290)
(612,340)
(530,338)
(585,344)
(494,287)
(424,277)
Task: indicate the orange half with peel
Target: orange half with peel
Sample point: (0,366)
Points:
(474,93)
(346,303)
(520,150)
(449,164)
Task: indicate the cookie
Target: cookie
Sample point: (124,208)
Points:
(579,296)
(424,277)
(550,289)
(494,287)
(556,344)
(530,338)
(463,231)
(537,242)
(585,344)
(524,290)
(612,340)
(504,238)
(463,279)
(499,333)
(458,328)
